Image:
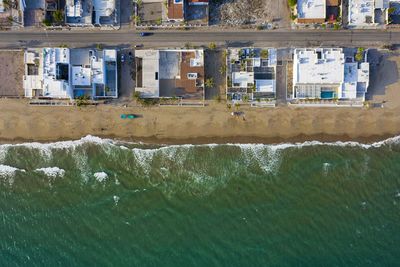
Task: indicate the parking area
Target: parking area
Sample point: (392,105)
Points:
(150,13)
(126,73)
(11,73)
(196,14)
(283,75)
(215,64)
(126,12)
(33,17)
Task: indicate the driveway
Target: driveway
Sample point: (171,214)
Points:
(127,74)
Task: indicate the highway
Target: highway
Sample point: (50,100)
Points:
(166,38)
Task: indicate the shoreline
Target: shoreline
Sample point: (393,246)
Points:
(323,138)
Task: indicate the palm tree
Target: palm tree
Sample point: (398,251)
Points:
(264,53)
(209,82)
(58,16)
(7,4)
(212,46)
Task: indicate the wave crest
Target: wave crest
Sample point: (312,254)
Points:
(52,172)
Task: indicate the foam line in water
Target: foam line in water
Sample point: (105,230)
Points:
(8,173)
(6,170)
(52,172)
(60,144)
(97,140)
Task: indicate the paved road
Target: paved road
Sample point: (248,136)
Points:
(178,38)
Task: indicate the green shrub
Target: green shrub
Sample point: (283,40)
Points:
(292,3)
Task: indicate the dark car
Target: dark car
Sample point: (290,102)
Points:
(145,34)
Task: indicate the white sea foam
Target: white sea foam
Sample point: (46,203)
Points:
(116,199)
(52,172)
(281,146)
(3,153)
(61,144)
(100,176)
(325,167)
(8,172)
(267,156)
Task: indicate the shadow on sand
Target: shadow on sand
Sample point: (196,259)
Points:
(383,71)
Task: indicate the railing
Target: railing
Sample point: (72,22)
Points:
(326,103)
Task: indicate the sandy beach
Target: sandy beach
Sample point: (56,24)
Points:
(20,121)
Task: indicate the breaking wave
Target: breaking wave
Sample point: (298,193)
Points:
(52,172)
(100,176)
(191,168)
(47,147)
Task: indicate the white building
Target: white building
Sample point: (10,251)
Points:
(90,12)
(2,8)
(67,74)
(103,10)
(73,8)
(311,11)
(327,73)
(368,12)
(47,72)
(170,73)
(252,73)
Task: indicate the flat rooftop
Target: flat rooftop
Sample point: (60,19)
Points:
(253,68)
(318,66)
(311,9)
(171,73)
(361,12)
(65,73)
(149,68)
(104,11)
(1,6)
(175,9)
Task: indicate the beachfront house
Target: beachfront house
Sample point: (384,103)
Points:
(365,13)
(318,11)
(91,13)
(70,73)
(175,10)
(167,74)
(330,74)
(251,74)
(311,11)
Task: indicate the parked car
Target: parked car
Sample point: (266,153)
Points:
(122,58)
(138,45)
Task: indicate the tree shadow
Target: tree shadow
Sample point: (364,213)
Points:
(239,43)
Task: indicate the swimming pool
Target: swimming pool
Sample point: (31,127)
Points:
(327,95)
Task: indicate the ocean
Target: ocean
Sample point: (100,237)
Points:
(100,202)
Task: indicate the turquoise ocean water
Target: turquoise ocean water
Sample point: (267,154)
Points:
(97,202)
